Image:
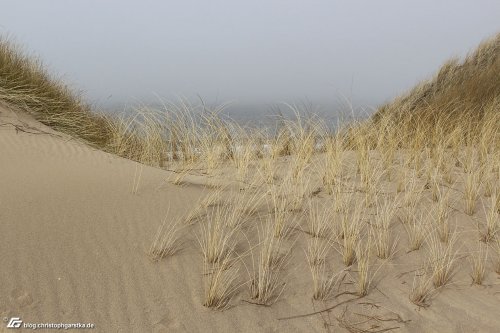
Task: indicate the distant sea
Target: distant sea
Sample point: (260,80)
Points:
(268,115)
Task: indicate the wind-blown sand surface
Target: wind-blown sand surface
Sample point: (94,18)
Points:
(74,242)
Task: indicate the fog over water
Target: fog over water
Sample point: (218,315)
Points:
(328,54)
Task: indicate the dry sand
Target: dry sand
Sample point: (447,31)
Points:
(74,241)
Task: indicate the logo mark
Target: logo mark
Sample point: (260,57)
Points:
(14,322)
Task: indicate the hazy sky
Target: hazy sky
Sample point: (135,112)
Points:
(248,51)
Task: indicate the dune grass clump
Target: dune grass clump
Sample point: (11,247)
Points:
(381,230)
(417,231)
(434,184)
(442,260)
(478,264)
(317,250)
(265,282)
(333,162)
(296,191)
(492,175)
(218,233)
(441,216)
(268,166)
(371,179)
(281,215)
(167,240)
(324,281)
(472,188)
(363,251)
(421,292)
(218,245)
(304,136)
(411,198)
(220,281)
(243,154)
(492,226)
(351,225)
(201,135)
(320,220)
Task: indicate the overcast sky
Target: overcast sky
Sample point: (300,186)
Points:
(247,51)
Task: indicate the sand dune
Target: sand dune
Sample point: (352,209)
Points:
(74,242)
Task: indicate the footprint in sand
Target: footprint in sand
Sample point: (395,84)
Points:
(169,324)
(21,299)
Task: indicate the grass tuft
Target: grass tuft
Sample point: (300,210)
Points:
(478,264)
